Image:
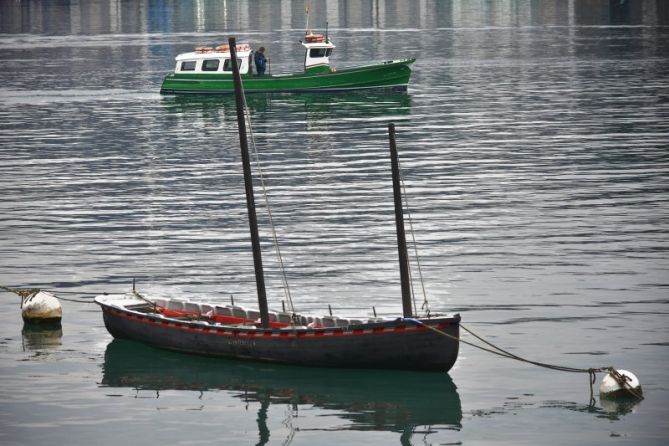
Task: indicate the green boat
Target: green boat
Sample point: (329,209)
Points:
(208,70)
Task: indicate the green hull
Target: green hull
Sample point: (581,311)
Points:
(393,75)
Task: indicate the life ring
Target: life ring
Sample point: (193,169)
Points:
(314,38)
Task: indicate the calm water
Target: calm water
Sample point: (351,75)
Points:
(534,142)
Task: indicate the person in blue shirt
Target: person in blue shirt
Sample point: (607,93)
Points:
(260,61)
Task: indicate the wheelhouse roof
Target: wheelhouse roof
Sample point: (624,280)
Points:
(243,50)
(312,40)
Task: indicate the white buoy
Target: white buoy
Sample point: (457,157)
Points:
(41,307)
(620,384)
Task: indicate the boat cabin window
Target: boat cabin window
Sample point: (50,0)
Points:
(320,52)
(227,64)
(210,64)
(188,65)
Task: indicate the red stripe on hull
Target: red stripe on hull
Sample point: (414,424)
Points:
(282,334)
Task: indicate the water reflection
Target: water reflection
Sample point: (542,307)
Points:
(368,400)
(42,336)
(343,106)
(616,408)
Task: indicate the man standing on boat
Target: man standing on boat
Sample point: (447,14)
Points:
(260,61)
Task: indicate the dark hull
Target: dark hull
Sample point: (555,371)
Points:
(396,344)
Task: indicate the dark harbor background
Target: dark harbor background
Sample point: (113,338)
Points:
(534,141)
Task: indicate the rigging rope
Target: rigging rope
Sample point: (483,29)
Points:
(275,239)
(424,306)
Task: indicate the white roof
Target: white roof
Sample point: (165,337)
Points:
(312,40)
(243,50)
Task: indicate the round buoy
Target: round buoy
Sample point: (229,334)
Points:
(620,384)
(41,307)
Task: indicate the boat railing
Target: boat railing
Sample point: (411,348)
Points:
(237,315)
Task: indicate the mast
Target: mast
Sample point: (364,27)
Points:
(248,183)
(399,223)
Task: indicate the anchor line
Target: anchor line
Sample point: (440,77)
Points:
(26,292)
(80,293)
(21,292)
(74,300)
(622,380)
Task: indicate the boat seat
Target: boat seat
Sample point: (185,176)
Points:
(314,322)
(239,312)
(229,315)
(329,321)
(342,322)
(222,311)
(285,318)
(160,302)
(176,305)
(192,307)
(206,309)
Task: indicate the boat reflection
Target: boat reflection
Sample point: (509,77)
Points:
(345,105)
(369,400)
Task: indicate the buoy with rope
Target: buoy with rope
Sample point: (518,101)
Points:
(616,384)
(620,384)
(41,307)
(38,306)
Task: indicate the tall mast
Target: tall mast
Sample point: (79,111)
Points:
(248,183)
(399,223)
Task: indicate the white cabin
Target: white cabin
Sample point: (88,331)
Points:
(215,60)
(205,60)
(318,50)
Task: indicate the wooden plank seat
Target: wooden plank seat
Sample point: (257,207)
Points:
(235,315)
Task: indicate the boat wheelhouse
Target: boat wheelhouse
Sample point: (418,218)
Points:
(207,60)
(208,70)
(317,54)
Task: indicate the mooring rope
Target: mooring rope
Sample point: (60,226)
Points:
(21,292)
(26,292)
(73,300)
(494,349)
(83,294)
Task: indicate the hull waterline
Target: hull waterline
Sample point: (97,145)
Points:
(390,76)
(388,344)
